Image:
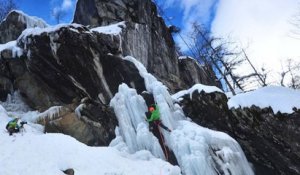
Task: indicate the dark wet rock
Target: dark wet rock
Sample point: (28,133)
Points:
(36,93)
(155,49)
(92,124)
(74,63)
(103,12)
(69,171)
(191,73)
(270,141)
(6,87)
(145,37)
(9,69)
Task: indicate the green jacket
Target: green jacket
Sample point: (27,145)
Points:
(154,115)
(13,124)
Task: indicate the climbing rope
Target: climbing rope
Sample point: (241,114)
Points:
(163,144)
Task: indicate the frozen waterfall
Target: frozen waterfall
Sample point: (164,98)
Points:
(199,151)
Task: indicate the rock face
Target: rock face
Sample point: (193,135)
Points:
(270,141)
(93,124)
(15,23)
(103,12)
(73,62)
(191,73)
(69,172)
(146,36)
(9,70)
(154,47)
(61,65)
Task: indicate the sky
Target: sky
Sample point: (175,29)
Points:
(262,27)
(45,8)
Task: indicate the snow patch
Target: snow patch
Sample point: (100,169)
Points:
(278,98)
(185,57)
(196,87)
(12,45)
(38,31)
(114,29)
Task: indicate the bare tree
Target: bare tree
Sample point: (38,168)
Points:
(208,54)
(5,7)
(262,77)
(295,24)
(291,70)
(215,52)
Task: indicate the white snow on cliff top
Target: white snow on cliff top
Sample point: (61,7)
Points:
(113,29)
(39,31)
(196,87)
(186,57)
(279,98)
(12,45)
(33,153)
(30,21)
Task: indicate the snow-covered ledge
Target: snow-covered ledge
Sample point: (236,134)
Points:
(280,99)
(197,87)
(113,29)
(12,45)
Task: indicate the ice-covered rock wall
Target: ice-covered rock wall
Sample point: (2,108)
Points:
(199,151)
(15,22)
(130,109)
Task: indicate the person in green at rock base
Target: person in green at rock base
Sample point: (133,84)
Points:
(13,126)
(154,117)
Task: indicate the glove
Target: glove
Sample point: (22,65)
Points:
(23,123)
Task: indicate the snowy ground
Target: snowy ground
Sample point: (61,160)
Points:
(33,153)
(279,98)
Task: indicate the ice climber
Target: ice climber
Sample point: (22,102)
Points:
(14,126)
(154,118)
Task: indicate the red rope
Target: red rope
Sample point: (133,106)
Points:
(163,142)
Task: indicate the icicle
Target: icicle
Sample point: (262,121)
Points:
(50,114)
(130,110)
